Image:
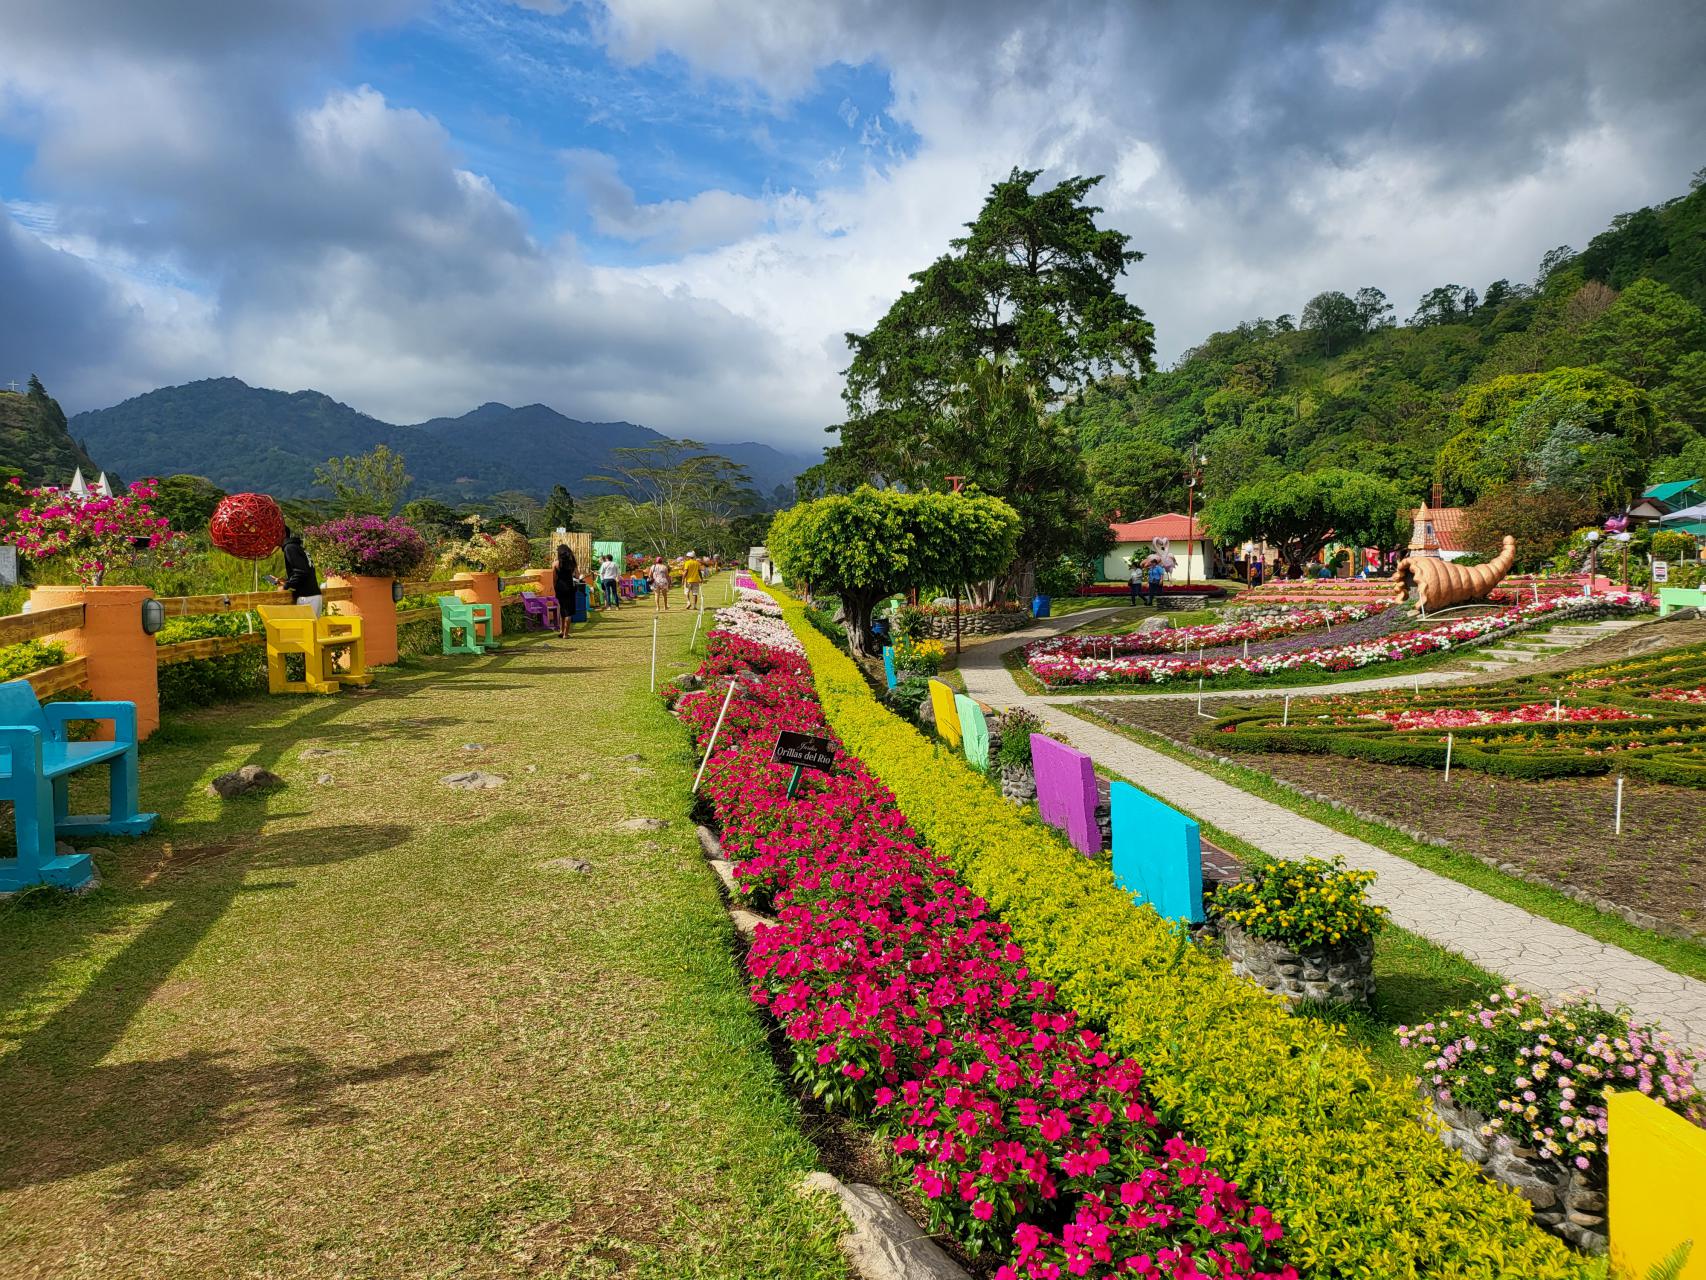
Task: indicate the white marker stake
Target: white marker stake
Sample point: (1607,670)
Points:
(1448,757)
(1617,825)
(1246,648)
(1285,720)
(693,644)
(1557,710)
(654,653)
(715,730)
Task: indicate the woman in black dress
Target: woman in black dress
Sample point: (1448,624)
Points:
(563,585)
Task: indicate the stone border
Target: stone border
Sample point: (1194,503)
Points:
(1568,1202)
(885,1244)
(1342,974)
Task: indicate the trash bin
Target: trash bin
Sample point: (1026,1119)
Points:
(579,612)
(1039,606)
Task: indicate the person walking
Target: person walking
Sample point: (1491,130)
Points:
(563,583)
(1156,571)
(692,577)
(660,584)
(1134,581)
(607,580)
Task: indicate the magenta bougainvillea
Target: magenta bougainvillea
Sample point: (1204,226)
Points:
(906,1003)
(368,546)
(247,525)
(91,533)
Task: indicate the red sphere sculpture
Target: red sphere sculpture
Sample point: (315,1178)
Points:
(247,525)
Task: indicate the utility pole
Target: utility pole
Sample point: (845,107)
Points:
(1193,478)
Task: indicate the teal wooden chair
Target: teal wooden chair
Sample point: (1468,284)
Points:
(37,759)
(456,614)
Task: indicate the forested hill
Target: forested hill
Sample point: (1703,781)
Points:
(34,442)
(1593,378)
(243,437)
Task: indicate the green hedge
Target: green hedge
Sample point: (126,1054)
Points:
(1306,1123)
(209,680)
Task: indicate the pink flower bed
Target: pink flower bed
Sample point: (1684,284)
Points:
(1211,635)
(1471,717)
(1695,696)
(1058,664)
(906,1003)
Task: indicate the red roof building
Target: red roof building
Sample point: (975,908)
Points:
(1188,545)
(1445,527)
(1172,525)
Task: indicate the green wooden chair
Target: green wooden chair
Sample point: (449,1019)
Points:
(456,614)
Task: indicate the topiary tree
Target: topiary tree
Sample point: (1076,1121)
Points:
(869,544)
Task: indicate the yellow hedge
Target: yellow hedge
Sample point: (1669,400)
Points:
(1313,1129)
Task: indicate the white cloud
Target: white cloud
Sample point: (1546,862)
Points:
(218,210)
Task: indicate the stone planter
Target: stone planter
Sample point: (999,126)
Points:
(1018,783)
(370,600)
(1342,974)
(123,659)
(1568,1202)
(482,588)
(941,626)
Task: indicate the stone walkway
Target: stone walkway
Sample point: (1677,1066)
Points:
(1522,947)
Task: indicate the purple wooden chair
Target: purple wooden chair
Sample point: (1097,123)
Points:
(542,609)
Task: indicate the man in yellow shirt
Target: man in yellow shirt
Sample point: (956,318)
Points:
(692,574)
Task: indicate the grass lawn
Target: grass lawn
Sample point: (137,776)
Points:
(361,1028)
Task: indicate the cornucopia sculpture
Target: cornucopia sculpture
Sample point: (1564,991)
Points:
(1440,584)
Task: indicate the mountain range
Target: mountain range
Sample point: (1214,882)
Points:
(252,438)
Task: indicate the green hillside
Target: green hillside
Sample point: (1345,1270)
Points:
(34,441)
(1590,382)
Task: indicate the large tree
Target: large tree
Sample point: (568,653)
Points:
(957,378)
(1299,513)
(672,497)
(867,545)
(371,483)
(1334,319)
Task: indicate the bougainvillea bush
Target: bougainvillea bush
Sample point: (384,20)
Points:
(1644,717)
(1074,661)
(92,534)
(366,546)
(1539,1070)
(906,1004)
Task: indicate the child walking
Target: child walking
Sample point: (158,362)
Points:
(660,584)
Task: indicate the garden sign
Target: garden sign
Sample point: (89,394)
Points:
(803,752)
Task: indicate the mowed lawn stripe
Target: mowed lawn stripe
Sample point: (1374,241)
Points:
(359,1029)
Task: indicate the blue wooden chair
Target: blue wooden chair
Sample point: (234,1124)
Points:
(37,759)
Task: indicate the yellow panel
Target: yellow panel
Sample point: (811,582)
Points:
(1658,1186)
(947,714)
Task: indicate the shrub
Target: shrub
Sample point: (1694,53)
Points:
(908,696)
(370,546)
(1016,727)
(920,655)
(1539,1071)
(204,681)
(1309,1126)
(18,660)
(1305,904)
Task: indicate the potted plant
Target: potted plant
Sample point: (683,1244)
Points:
(367,554)
(483,557)
(1520,1084)
(1303,930)
(92,535)
(1010,753)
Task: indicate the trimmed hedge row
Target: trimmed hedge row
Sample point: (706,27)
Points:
(1337,1148)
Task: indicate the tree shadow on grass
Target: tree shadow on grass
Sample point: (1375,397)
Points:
(70,1111)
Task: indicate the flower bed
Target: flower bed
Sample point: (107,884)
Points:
(1641,717)
(1213,635)
(906,1003)
(1522,1083)
(1063,671)
(1195,590)
(1308,1125)
(1302,930)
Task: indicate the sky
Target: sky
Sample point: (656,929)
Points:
(671,211)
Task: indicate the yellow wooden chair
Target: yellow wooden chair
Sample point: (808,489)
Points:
(293,629)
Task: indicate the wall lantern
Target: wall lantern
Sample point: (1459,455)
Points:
(396,590)
(153,616)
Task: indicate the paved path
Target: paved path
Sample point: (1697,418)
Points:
(1516,944)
